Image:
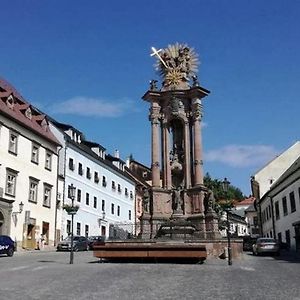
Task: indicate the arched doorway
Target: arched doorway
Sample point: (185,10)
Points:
(1,223)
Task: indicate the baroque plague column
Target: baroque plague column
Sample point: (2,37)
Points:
(178,195)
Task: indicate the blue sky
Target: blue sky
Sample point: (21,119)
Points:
(88,63)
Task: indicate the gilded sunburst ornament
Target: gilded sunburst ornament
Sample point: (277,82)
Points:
(176,64)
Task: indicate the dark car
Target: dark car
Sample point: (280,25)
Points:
(248,243)
(79,243)
(96,240)
(7,245)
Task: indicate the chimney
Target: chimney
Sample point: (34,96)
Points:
(117,154)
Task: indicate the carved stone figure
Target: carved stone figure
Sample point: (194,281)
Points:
(153,85)
(177,200)
(210,201)
(146,200)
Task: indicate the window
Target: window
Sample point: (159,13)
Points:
(118,210)
(68,227)
(47,195)
(80,169)
(13,143)
(277,214)
(119,188)
(87,199)
(131,195)
(112,209)
(95,202)
(35,153)
(104,183)
(292,202)
(78,228)
(288,238)
(96,177)
(33,189)
(71,164)
(113,185)
(284,206)
(129,214)
(78,195)
(11,179)
(88,173)
(103,205)
(126,192)
(86,230)
(48,161)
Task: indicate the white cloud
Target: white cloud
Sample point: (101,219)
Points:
(92,107)
(242,155)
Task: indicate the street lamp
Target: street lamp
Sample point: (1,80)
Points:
(72,211)
(21,206)
(225,186)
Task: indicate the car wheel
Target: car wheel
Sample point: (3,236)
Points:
(10,252)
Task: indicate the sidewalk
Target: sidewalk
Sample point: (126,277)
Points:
(44,249)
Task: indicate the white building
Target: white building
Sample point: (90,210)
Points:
(104,192)
(281,216)
(262,181)
(28,171)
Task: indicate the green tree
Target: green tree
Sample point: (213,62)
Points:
(233,193)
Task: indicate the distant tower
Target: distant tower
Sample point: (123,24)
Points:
(176,113)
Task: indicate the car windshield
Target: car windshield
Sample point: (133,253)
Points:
(266,241)
(68,239)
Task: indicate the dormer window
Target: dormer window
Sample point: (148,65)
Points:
(88,173)
(28,113)
(104,183)
(96,177)
(113,185)
(10,102)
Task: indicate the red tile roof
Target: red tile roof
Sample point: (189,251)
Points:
(247,201)
(17,113)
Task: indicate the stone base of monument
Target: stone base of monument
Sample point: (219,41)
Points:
(151,251)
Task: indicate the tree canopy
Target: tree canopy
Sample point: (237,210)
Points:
(233,193)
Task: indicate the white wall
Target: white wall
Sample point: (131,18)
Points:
(25,168)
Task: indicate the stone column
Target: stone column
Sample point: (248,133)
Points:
(197,115)
(187,158)
(166,157)
(154,117)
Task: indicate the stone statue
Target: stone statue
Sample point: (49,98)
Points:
(210,201)
(146,200)
(153,85)
(177,201)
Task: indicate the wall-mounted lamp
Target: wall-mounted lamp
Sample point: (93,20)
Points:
(21,206)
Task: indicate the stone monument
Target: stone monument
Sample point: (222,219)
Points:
(179,202)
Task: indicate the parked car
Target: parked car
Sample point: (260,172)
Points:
(96,240)
(7,245)
(79,243)
(266,245)
(248,242)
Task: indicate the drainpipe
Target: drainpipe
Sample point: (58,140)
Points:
(273,219)
(56,207)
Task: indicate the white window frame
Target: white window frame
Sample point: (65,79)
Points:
(33,190)
(47,195)
(35,153)
(48,160)
(13,143)
(11,182)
